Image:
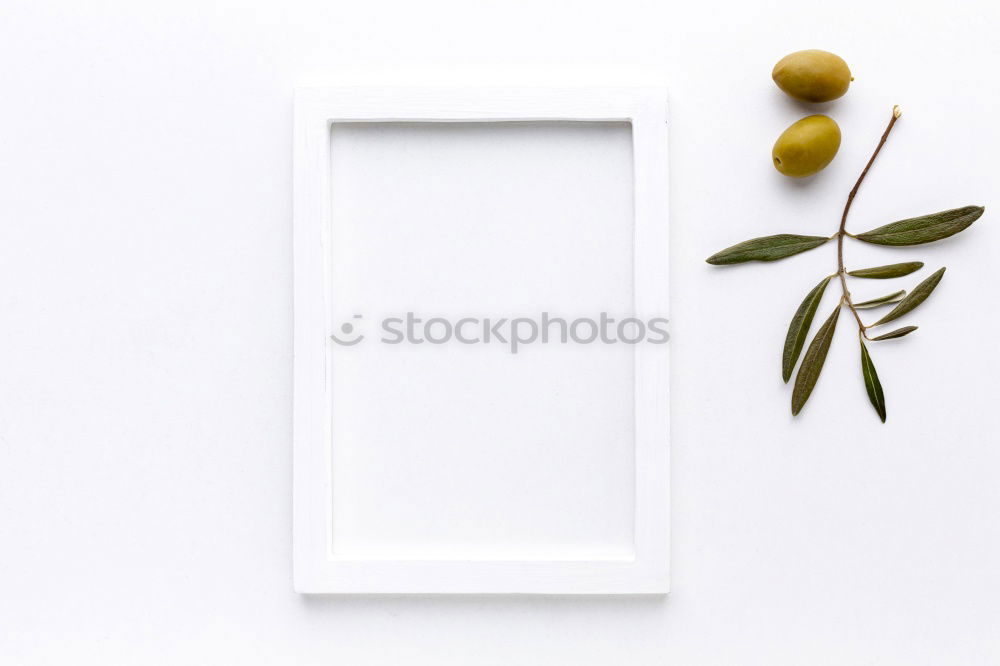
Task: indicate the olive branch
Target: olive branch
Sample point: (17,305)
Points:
(911,231)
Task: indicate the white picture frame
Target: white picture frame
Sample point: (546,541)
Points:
(317,567)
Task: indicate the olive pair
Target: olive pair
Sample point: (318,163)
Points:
(810,144)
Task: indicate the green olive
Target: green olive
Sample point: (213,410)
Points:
(806,147)
(812,75)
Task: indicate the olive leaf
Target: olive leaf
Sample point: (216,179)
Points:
(916,297)
(799,328)
(872,384)
(898,333)
(926,229)
(812,362)
(768,248)
(890,271)
(895,297)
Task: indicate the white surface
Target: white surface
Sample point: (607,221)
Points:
(508,219)
(446,469)
(145,286)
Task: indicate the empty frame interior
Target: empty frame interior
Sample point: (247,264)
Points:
(471,452)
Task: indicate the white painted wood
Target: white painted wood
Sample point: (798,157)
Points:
(319,567)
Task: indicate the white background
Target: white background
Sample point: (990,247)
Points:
(145,296)
(470,452)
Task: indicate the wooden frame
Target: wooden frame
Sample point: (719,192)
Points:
(316,568)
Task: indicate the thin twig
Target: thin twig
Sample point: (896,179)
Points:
(841,271)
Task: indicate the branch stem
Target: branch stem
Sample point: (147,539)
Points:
(841,271)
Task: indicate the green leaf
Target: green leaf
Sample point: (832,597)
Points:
(872,384)
(799,328)
(768,248)
(895,297)
(916,297)
(926,229)
(890,271)
(812,362)
(898,333)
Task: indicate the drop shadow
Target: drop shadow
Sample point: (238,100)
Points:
(331,604)
(803,109)
(796,184)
